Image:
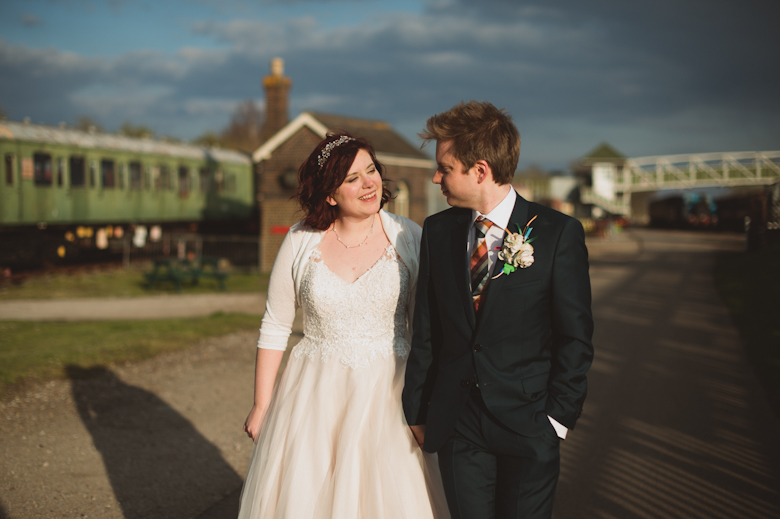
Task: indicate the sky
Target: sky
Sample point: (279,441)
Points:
(649,78)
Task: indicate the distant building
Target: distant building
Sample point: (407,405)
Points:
(552,189)
(597,172)
(408,170)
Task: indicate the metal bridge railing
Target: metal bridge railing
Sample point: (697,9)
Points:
(697,171)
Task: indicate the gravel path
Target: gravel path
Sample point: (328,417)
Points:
(155,307)
(675,425)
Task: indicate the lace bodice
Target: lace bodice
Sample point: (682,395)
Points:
(359,321)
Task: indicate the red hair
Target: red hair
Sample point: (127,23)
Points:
(316,183)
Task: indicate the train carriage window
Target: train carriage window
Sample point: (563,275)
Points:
(77,174)
(136,178)
(184,181)
(148,177)
(205,180)
(9,169)
(121,174)
(43,173)
(107,174)
(60,171)
(163,179)
(231,183)
(93,174)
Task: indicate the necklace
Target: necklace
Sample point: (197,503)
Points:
(371,230)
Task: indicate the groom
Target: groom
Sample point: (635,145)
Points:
(496,374)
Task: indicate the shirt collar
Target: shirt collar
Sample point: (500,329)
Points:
(501,213)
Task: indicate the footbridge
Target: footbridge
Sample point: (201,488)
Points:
(614,182)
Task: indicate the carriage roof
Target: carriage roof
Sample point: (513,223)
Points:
(29,132)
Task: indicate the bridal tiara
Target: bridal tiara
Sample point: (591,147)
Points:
(325,153)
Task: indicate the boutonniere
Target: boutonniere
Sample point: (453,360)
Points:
(517,250)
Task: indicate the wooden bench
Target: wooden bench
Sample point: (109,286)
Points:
(208,267)
(171,270)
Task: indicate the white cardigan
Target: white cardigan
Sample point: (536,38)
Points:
(284,287)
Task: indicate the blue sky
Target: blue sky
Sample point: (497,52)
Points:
(650,78)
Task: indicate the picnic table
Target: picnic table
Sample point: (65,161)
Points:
(177,271)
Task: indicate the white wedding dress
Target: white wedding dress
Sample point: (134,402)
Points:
(335,443)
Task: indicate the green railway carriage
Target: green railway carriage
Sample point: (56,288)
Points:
(60,175)
(60,178)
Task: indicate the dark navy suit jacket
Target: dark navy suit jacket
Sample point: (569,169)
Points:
(530,346)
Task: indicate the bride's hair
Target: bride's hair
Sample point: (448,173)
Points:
(324,171)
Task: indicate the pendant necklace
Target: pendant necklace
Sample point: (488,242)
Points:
(371,230)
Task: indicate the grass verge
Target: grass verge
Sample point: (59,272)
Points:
(119,283)
(749,283)
(31,351)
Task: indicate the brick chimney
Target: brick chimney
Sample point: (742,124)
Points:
(277,94)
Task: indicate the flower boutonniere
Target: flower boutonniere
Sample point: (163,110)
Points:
(517,250)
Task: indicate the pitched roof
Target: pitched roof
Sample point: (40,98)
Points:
(391,148)
(604,152)
(379,133)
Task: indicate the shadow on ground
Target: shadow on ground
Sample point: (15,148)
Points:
(158,464)
(675,425)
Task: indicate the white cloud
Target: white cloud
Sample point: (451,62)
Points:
(570,78)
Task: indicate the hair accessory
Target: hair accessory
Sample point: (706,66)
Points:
(323,158)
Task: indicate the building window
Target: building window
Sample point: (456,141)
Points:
(107,174)
(77,174)
(42,172)
(136,178)
(401,200)
(184,181)
(9,170)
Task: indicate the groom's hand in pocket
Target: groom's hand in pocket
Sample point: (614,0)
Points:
(419,433)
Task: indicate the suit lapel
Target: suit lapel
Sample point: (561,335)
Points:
(461,264)
(519,217)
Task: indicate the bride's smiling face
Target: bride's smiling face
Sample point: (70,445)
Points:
(361,192)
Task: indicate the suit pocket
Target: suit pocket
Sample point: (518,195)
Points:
(535,383)
(518,285)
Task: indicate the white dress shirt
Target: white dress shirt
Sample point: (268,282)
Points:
(493,238)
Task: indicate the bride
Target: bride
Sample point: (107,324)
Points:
(331,440)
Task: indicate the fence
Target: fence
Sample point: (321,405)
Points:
(241,252)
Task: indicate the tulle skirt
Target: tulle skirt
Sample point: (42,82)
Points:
(335,445)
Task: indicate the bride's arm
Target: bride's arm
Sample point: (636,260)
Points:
(266,367)
(274,333)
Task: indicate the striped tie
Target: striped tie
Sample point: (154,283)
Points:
(479,261)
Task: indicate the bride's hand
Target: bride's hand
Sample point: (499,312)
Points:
(253,422)
(418,431)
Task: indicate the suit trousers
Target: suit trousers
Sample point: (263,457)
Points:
(490,471)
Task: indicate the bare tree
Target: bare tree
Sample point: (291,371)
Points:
(136,131)
(245,129)
(87,124)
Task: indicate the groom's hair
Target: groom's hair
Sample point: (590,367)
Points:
(478,131)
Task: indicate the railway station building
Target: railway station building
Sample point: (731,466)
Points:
(408,170)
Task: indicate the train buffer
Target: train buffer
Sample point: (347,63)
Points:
(178,271)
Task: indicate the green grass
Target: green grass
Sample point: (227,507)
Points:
(41,350)
(119,283)
(749,283)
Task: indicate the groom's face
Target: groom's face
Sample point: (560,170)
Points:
(458,184)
